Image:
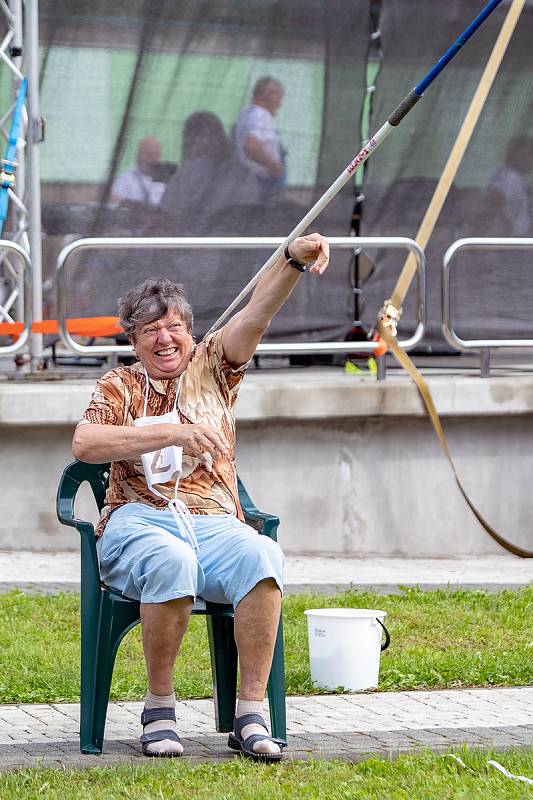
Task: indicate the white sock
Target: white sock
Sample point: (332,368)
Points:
(255,707)
(165,745)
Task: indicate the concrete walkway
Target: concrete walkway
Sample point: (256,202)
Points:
(350,727)
(59,571)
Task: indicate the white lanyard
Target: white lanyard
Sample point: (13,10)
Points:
(162,465)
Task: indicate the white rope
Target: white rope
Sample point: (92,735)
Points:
(496,765)
(510,775)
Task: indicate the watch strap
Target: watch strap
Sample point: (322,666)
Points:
(292,262)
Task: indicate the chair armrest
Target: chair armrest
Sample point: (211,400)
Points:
(73,476)
(66,495)
(265,524)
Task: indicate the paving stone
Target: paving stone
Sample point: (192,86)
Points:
(350,727)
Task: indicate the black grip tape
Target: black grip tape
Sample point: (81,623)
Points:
(405,106)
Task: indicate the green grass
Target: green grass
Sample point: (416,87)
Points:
(439,640)
(421,777)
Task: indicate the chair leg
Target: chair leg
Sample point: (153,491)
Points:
(99,647)
(223,652)
(276,689)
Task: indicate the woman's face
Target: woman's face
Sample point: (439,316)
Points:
(165,346)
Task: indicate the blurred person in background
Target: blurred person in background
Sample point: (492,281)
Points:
(508,185)
(209,178)
(137,185)
(256,140)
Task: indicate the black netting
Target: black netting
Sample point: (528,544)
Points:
(176,77)
(173,78)
(490,195)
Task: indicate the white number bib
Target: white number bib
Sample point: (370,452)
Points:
(161,465)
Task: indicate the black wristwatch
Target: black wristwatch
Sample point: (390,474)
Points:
(292,261)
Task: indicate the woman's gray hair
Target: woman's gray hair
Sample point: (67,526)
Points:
(150,301)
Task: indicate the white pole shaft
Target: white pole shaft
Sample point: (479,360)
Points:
(319,206)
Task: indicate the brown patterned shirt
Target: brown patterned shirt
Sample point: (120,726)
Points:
(207,395)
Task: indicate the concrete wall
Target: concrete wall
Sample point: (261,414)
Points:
(350,466)
(382,486)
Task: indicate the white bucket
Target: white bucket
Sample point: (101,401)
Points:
(345,647)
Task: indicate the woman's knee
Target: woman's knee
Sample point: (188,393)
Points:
(263,552)
(172,558)
(170,570)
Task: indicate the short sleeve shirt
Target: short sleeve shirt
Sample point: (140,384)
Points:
(134,185)
(259,122)
(207,394)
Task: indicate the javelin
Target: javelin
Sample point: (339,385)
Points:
(393,121)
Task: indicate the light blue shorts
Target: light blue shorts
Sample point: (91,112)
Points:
(143,556)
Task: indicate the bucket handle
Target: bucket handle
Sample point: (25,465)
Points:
(386,643)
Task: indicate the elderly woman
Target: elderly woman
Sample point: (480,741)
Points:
(172,528)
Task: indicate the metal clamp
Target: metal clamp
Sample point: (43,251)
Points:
(7,179)
(390,316)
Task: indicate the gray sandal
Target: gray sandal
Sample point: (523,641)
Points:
(154,715)
(245,746)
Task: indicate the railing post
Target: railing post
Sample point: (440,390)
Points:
(485,362)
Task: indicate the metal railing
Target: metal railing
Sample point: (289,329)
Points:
(288,348)
(26,273)
(483,345)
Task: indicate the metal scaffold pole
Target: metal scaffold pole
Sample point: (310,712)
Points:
(20,194)
(33,184)
(20,215)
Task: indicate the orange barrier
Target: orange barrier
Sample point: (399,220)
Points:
(84,326)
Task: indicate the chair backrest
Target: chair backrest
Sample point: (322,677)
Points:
(97,475)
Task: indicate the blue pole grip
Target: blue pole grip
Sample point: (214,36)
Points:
(15,122)
(11,152)
(421,87)
(3,209)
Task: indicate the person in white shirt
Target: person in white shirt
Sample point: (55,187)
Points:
(136,185)
(255,138)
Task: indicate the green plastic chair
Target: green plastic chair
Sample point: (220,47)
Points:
(107,616)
